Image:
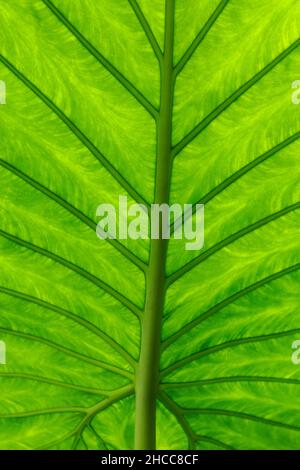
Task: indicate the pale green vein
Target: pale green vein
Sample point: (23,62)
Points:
(76,269)
(200,36)
(241,172)
(81,321)
(227,345)
(216,308)
(231,99)
(57,383)
(75,212)
(237,414)
(231,379)
(102,60)
(68,352)
(146,28)
(228,240)
(77,132)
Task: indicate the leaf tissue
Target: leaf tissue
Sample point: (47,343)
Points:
(140,343)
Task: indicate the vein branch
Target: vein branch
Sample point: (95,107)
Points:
(68,352)
(200,36)
(230,239)
(75,318)
(192,437)
(102,60)
(76,269)
(231,99)
(90,413)
(221,380)
(242,171)
(75,212)
(176,411)
(229,300)
(237,414)
(50,381)
(116,396)
(228,344)
(146,28)
(77,132)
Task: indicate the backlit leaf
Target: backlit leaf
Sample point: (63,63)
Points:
(122,343)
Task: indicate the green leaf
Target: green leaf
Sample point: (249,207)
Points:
(122,344)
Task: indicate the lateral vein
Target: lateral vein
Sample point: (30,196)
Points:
(200,36)
(38,378)
(221,380)
(216,308)
(175,410)
(81,321)
(242,171)
(237,414)
(77,269)
(75,212)
(226,345)
(68,352)
(231,99)
(146,28)
(228,240)
(77,132)
(142,100)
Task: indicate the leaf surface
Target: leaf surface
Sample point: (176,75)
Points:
(162,101)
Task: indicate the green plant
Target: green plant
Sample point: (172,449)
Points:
(95,110)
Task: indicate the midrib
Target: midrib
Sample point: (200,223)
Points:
(147,375)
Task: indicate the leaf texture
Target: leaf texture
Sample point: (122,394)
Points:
(161,101)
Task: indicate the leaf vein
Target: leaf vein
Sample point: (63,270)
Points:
(75,212)
(200,36)
(68,352)
(81,321)
(227,345)
(77,269)
(77,132)
(236,414)
(231,99)
(216,308)
(102,60)
(225,380)
(241,172)
(146,28)
(38,378)
(228,240)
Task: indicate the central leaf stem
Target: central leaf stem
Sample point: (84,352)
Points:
(147,376)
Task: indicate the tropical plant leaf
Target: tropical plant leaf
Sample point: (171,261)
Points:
(169,101)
